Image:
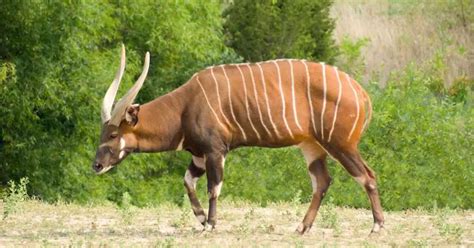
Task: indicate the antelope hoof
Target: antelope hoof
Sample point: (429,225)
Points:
(207,227)
(377,230)
(302,229)
(202,219)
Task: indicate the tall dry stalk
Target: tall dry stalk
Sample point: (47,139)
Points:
(410,32)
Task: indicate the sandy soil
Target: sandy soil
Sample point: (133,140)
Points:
(240,225)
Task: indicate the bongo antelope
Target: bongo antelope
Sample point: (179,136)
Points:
(285,102)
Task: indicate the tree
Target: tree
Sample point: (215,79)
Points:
(268,29)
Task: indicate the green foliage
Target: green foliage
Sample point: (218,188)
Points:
(15,195)
(262,30)
(57,60)
(329,217)
(126,209)
(351,59)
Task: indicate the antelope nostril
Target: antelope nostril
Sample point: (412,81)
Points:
(97,167)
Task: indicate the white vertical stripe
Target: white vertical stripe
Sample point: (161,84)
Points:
(337,103)
(293,95)
(244,83)
(368,110)
(349,81)
(256,101)
(219,97)
(308,84)
(266,100)
(230,103)
(209,104)
(283,102)
(324,99)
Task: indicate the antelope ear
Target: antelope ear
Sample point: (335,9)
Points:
(131,116)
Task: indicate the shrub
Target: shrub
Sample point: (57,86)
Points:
(262,30)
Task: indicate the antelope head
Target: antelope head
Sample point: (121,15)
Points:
(117,139)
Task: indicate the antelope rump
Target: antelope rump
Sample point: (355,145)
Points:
(285,102)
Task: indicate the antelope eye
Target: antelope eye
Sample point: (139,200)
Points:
(114,135)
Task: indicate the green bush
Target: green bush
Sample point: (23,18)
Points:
(419,144)
(57,60)
(263,30)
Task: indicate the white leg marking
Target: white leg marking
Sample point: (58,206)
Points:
(201,218)
(209,104)
(266,100)
(308,84)
(283,102)
(217,189)
(349,81)
(200,162)
(190,180)
(324,99)
(219,97)
(314,182)
(247,102)
(256,101)
(180,145)
(293,95)
(311,151)
(230,102)
(337,103)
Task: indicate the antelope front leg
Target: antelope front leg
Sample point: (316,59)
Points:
(215,175)
(195,170)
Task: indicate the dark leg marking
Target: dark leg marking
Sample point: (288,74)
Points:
(215,175)
(321,180)
(194,172)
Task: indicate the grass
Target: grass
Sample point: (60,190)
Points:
(402,32)
(239,224)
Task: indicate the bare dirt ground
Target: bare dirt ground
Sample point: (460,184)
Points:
(239,225)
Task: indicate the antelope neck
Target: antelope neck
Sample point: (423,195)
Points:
(159,123)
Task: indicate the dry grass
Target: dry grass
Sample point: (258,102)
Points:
(403,32)
(240,224)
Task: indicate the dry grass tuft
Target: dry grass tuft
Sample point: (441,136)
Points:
(404,32)
(239,225)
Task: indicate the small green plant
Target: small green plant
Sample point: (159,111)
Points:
(184,215)
(296,200)
(15,195)
(166,243)
(351,59)
(250,214)
(447,230)
(418,243)
(126,209)
(329,218)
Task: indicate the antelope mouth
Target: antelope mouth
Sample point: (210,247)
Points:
(101,169)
